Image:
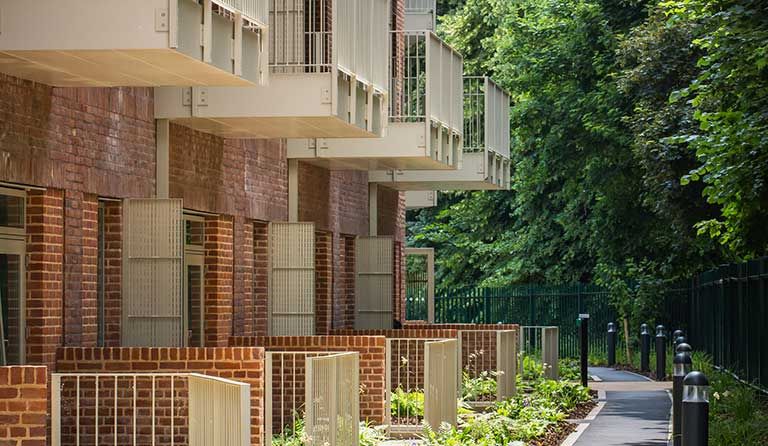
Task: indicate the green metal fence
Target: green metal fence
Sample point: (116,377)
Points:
(533,305)
(724,312)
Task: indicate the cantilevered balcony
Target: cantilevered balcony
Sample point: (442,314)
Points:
(328,78)
(420,15)
(142,43)
(485,164)
(425,117)
(420,199)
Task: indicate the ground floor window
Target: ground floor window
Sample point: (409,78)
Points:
(12,276)
(194,265)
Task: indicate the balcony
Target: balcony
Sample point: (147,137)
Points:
(425,118)
(328,78)
(420,14)
(145,43)
(420,199)
(485,163)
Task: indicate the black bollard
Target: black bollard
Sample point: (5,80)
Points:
(645,349)
(683,348)
(661,353)
(695,422)
(611,344)
(584,356)
(683,364)
(676,334)
(679,340)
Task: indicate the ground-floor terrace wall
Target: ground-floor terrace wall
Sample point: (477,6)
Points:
(80,151)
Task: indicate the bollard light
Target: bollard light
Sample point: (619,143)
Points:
(684,348)
(645,348)
(695,419)
(661,353)
(611,344)
(679,340)
(682,366)
(676,334)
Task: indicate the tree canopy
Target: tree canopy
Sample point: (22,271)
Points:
(639,141)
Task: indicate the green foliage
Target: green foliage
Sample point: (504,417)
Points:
(639,145)
(523,418)
(478,388)
(295,434)
(738,413)
(409,404)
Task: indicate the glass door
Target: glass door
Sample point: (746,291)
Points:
(194,279)
(12,324)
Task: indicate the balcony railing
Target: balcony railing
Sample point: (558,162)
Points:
(485,161)
(425,113)
(82,43)
(420,14)
(164,408)
(328,77)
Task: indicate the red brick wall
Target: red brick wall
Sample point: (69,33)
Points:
(372,351)
(113,264)
(344,284)
(260,277)
(243,280)
(240,364)
(80,267)
(246,178)
(218,280)
(324,280)
(45,250)
(23,405)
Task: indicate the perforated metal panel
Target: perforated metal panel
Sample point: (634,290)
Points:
(506,360)
(153,249)
(374,282)
(440,382)
(291,279)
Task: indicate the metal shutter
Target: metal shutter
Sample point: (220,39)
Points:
(153,249)
(374,283)
(291,279)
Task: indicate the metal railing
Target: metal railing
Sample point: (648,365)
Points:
(329,381)
(148,408)
(486,116)
(420,5)
(253,10)
(418,383)
(426,80)
(319,36)
(441,359)
(333,412)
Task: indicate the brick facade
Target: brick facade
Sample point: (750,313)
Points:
(45,283)
(372,350)
(23,405)
(241,364)
(218,280)
(113,264)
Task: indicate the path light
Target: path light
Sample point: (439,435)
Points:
(695,422)
(682,366)
(680,340)
(611,344)
(676,334)
(684,348)
(645,348)
(661,353)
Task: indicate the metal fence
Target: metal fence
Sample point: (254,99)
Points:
(533,305)
(252,9)
(333,408)
(419,383)
(723,313)
(317,390)
(486,116)
(147,408)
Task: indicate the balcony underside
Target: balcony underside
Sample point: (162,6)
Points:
(471,176)
(137,43)
(404,147)
(114,68)
(295,105)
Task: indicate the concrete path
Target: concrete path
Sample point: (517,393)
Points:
(635,412)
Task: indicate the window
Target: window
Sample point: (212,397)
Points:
(194,265)
(12,276)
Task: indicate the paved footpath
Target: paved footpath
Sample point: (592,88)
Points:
(635,411)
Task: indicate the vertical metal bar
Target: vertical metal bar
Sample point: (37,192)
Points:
(56,409)
(135,390)
(154,418)
(173,401)
(96,441)
(77,407)
(115,413)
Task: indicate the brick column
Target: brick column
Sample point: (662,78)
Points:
(260,277)
(218,280)
(113,271)
(344,284)
(80,268)
(323,281)
(45,250)
(243,286)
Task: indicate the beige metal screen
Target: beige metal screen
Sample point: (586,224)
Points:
(374,283)
(153,249)
(440,364)
(333,402)
(291,279)
(550,351)
(506,360)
